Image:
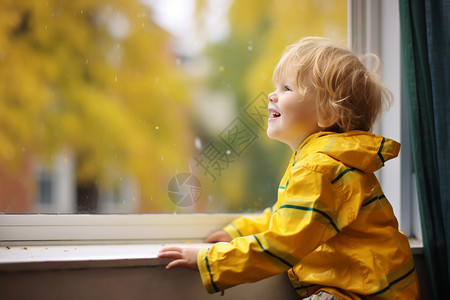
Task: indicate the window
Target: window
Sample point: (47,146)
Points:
(145,106)
(151,92)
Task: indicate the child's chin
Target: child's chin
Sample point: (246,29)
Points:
(272,135)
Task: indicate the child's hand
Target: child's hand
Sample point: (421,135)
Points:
(183,257)
(218,236)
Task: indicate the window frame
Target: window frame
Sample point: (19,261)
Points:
(157,228)
(369,30)
(374,27)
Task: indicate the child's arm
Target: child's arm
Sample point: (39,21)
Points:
(248,225)
(183,257)
(307,216)
(242,226)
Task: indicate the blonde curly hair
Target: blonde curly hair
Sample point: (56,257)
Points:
(348,95)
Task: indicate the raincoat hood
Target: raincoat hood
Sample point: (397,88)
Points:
(362,150)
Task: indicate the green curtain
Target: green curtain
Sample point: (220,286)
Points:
(425,28)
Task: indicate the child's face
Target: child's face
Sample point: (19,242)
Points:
(292,117)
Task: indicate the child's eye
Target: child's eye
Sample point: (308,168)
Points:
(287,88)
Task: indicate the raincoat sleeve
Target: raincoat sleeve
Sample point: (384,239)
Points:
(305,217)
(249,225)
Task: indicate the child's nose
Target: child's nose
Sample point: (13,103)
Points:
(273,97)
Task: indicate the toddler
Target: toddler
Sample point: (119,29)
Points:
(332,229)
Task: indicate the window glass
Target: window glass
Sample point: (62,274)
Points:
(145,106)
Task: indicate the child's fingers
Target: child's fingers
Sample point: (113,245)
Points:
(176,263)
(177,249)
(170,254)
(182,257)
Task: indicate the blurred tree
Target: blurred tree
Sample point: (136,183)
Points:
(98,79)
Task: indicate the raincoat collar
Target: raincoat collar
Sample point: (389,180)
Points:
(358,149)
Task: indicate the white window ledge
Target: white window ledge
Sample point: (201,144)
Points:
(57,257)
(416,246)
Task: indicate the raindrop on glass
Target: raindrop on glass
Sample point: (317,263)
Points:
(198,143)
(250,45)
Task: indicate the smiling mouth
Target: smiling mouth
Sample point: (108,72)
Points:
(274,115)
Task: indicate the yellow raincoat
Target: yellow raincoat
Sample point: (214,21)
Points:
(332,229)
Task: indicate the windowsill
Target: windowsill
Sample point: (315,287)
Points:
(57,257)
(416,246)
